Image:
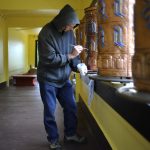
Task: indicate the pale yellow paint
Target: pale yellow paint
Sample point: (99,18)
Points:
(22,17)
(31,50)
(119,133)
(10,8)
(4,50)
(28,22)
(17,52)
(2,78)
(40,4)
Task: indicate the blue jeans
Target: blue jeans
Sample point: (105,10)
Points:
(65,96)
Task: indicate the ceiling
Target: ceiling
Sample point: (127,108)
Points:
(31,16)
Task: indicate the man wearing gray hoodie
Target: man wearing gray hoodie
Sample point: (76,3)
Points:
(57,58)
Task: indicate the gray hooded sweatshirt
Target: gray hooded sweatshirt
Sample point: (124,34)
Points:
(54,45)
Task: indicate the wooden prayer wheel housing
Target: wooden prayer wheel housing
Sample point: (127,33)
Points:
(141,58)
(81,38)
(115,48)
(91,37)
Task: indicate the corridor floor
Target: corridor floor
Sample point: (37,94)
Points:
(21,122)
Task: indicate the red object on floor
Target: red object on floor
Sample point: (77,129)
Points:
(24,80)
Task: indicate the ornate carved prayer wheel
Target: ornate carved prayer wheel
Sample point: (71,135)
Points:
(82,30)
(91,37)
(77,35)
(141,58)
(81,38)
(115,37)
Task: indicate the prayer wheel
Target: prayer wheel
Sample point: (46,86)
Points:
(82,34)
(141,58)
(91,37)
(115,37)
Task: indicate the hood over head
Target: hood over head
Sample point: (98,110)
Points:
(66,16)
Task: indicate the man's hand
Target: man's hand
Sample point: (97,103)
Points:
(75,52)
(82,69)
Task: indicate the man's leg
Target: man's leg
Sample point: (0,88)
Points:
(49,101)
(67,101)
(66,98)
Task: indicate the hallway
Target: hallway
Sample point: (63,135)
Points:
(21,126)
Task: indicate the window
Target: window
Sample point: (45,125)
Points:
(118,36)
(118,8)
(102,37)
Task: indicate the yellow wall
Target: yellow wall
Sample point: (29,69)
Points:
(3,59)
(17,51)
(1,50)
(79,5)
(28,22)
(31,50)
(40,4)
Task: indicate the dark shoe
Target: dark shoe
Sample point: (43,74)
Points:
(75,139)
(55,146)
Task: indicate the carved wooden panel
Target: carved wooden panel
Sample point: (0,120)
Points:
(113,64)
(82,30)
(91,37)
(92,61)
(91,20)
(91,43)
(131,40)
(112,37)
(113,10)
(82,39)
(129,65)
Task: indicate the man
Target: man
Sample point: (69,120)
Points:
(57,58)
